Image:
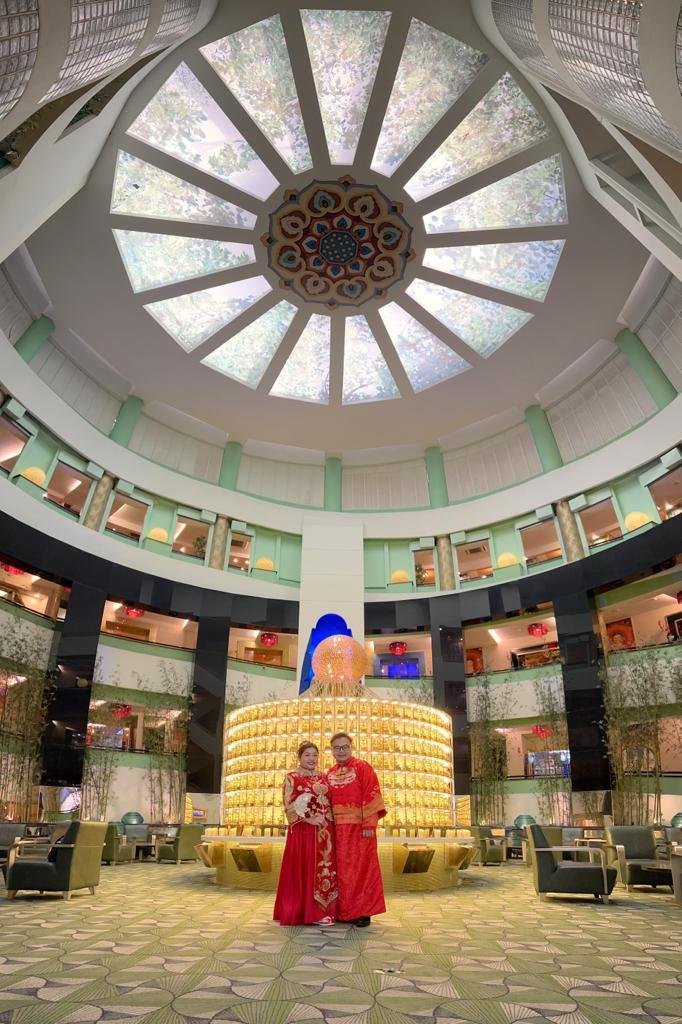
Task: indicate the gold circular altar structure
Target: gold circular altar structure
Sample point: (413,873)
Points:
(409,746)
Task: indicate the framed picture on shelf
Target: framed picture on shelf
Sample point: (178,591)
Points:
(621,635)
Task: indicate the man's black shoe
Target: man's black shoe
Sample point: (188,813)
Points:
(363,922)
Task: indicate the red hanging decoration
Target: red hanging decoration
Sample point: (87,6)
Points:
(12,570)
(679,597)
(538,629)
(121,710)
(398,647)
(269,639)
(132,612)
(543,731)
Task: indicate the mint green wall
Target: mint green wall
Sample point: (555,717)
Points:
(543,438)
(647,369)
(375,565)
(631,496)
(505,537)
(265,545)
(162,516)
(399,557)
(229,467)
(126,420)
(332,485)
(290,558)
(41,451)
(435,478)
(34,337)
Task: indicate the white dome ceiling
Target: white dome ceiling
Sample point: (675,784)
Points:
(269,178)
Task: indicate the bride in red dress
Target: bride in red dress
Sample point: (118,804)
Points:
(307,892)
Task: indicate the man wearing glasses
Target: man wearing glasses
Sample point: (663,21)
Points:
(357,805)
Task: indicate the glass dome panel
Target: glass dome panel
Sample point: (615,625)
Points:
(254,64)
(191,319)
(427,360)
(305,374)
(504,122)
(246,356)
(143,190)
(482,324)
(366,376)
(153,260)
(344,84)
(534,195)
(184,121)
(525,268)
(434,71)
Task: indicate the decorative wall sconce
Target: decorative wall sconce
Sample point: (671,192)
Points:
(400,576)
(634,520)
(11,570)
(132,612)
(268,639)
(158,533)
(398,647)
(538,629)
(507,559)
(35,474)
(265,563)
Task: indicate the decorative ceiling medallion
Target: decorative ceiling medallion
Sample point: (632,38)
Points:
(338,243)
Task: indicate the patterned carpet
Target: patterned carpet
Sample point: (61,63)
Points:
(160,944)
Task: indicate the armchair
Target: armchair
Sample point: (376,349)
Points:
(565,876)
(489,849)
(182,846)
(633,848)
(71,864)
(9,833)
(115,849)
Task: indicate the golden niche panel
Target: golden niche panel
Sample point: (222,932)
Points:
(409,746)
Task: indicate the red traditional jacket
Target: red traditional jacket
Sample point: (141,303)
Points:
(355,794)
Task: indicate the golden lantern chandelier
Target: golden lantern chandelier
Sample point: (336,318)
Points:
(409,745)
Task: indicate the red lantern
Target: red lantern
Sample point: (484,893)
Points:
(543,731)
(12,570)
(269,639)
(538,629)
(132,612)
(121,710)
(398,647)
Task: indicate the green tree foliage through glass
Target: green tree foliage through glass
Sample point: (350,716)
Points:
(504,122)
(143,190)
(254,64)
(153,260)
(182,119)
(434,71)
(344,49)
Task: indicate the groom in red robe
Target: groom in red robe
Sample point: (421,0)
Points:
(357,805)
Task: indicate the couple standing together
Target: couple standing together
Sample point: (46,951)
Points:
(330,868)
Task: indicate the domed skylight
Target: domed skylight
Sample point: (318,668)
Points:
(458,159)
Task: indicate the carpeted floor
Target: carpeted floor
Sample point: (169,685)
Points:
(160,944)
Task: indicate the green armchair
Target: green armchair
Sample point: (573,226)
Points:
(640,861)
(489,849)
(182,846)
(562,877)
(115,849)
(73,863)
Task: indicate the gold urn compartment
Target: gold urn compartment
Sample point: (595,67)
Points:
(409,746)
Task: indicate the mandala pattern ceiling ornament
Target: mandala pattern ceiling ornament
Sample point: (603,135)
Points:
(229,129)
(338,243)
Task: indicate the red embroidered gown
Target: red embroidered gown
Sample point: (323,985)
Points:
(357,804)
(307,889)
